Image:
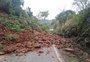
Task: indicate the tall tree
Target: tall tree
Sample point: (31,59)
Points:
(81,4)
(28,11)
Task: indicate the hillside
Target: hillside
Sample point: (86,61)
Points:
(31,40)
(28,40)
(24,30)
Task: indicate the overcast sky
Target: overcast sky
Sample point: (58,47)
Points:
(54,6)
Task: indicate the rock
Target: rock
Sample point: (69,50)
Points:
(38,46)
(2,53)
(69,49)
(40,42)
(40,51)
(19,54)
(1,34)
(88,60)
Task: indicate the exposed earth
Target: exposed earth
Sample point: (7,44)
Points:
(31,40)
(41,55)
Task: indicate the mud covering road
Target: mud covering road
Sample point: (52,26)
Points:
(43,55)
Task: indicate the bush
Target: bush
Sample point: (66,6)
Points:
(11,37)
(13,26)
(45,27)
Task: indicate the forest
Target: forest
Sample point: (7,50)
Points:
(22,32)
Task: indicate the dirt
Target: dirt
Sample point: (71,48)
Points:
(30,40)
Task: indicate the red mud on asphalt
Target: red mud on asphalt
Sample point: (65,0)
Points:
(29,40)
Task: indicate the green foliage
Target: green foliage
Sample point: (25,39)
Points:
(11,37)
(82,4)
(17,19)
(13,26)
(11,6)
(65,15)
(74,58)
(43,15)
(29,11)
(45,27)
(62,19)
(84,26)
(77,25)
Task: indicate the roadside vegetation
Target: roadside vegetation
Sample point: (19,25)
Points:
(75,24)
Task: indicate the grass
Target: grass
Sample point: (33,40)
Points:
(11,37)
(74,58)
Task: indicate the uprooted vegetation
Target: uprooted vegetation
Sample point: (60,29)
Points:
(10,37)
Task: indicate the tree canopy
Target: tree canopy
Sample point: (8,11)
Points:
(43,14)
(11,6)
(65,15)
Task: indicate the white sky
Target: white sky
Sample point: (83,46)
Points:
(54,6)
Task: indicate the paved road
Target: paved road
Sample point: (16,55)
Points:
(45,55)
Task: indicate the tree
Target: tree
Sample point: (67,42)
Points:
(28,11)
(4,5)
(65,15)
(43,15)
(82,4)
(16,6)
(61,19)
(11,6)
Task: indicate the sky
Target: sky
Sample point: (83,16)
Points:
(53,6)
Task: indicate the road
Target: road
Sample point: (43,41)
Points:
(50,54)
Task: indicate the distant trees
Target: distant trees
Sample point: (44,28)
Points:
(28,11)
(65,15)
(43,15)
(61,19)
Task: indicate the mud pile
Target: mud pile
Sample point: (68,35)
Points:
(30,40)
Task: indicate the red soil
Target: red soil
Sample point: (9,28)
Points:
(29,40)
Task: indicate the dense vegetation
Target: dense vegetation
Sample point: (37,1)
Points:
(71,24)
(19,27)
(14,17)
(68,23)
(11,6)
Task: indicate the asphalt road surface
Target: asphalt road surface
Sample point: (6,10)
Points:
(50,54)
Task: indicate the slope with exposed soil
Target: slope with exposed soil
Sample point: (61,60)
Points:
(30,40)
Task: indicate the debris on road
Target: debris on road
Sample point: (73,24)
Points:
(28,41)
(69,49)
(2,53)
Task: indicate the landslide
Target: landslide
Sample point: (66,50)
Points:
(29,40)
